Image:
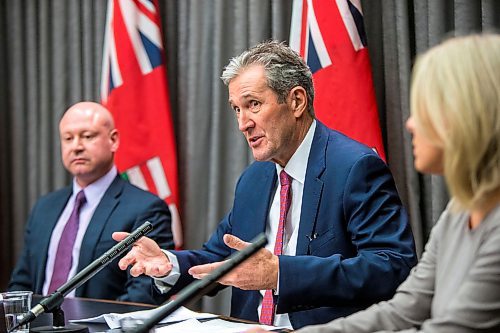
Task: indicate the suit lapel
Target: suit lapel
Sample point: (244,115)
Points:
(109,201)
(313,187)
(263,204)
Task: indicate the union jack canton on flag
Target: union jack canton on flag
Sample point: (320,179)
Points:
(330,36)
(134,88)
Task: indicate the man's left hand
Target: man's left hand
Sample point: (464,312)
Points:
(259,272)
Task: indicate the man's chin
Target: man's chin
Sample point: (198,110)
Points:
(79,171)
(261,157)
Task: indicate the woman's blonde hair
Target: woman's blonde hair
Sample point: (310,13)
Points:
(455,101)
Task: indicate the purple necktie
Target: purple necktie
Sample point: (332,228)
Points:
(268,306)
(64,255)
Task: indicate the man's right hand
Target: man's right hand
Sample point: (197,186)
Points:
(145,257)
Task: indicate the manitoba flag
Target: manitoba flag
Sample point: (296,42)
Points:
(134,89)
(330,36)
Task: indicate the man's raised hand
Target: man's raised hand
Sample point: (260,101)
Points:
(145,257)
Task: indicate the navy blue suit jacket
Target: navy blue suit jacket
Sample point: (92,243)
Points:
(355,245)
(123,207)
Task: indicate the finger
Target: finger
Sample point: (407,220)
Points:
(127,260)
(122,264)
(119,235)
(137,270)
(159,270)
(227,280)
(164,269)
(234,242)
(148,246)
(199,276)
(204,269)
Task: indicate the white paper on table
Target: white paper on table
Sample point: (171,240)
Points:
(113,319)
(209,326)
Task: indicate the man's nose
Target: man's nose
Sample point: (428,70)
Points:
(245,121)
(76,143)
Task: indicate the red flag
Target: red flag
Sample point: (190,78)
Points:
(134,88)
(330,36)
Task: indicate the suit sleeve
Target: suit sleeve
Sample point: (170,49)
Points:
(378,232)
(22,276)
(140,289)
(213,250)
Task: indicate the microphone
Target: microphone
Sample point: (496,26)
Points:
(199,288)
(53,301)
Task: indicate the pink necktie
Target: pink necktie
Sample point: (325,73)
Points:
(64,254)
(268,306)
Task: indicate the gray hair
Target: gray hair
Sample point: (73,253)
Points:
(284,69)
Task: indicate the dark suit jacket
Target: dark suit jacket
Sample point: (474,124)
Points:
(355,245)
(123,207)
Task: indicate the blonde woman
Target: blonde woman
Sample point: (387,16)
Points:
(455,123)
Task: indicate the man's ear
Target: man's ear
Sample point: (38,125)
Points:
(298,101)
(114,137)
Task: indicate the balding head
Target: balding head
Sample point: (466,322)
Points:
(91,109)
(88,141)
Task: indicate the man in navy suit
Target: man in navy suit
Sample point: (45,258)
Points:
(346,241)
(89,141)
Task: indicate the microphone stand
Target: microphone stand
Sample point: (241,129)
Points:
(198,288)
(52,303)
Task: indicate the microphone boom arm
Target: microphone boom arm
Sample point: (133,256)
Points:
(53,301)
(197,288)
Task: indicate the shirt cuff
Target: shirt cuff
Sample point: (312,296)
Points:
(165,283)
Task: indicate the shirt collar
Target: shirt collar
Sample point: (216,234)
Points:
(296,167)
(94,192)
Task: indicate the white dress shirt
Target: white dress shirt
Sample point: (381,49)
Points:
(93,194)
(295,168)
